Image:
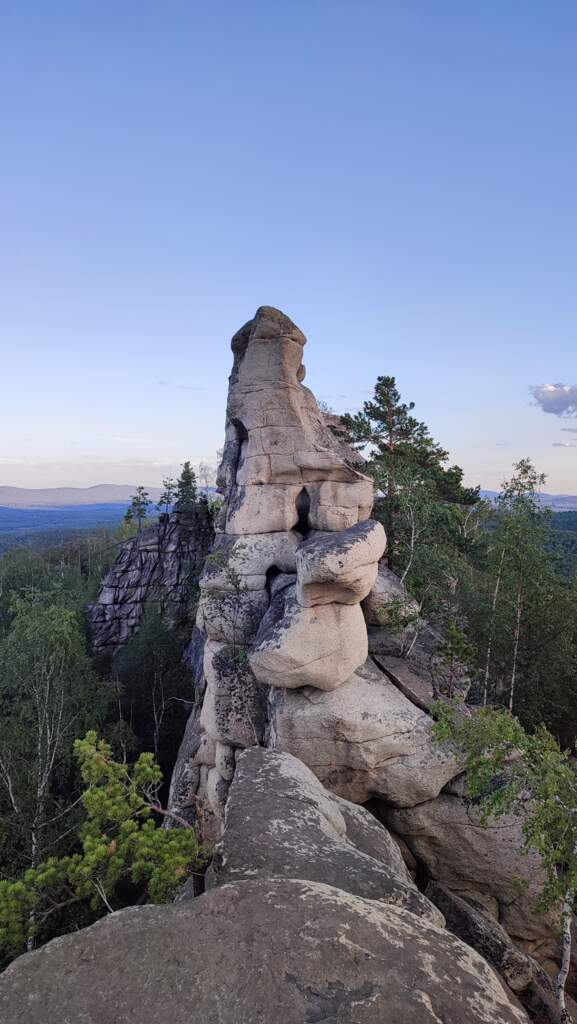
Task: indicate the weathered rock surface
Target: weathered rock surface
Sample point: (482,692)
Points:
(522,974)
(480,864)
(416,686)
(281,822)
(318,646)
(363,739)
(388,603)
(295,556)
(258,951)
(284,476)
(233,709)
(161,563)
(485,935)
(339,567)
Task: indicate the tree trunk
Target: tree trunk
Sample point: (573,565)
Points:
(565,958)
(516,636)
(491,629)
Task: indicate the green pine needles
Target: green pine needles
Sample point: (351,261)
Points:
(121,849)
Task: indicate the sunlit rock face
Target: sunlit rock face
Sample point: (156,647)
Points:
(280,653)
(294,557)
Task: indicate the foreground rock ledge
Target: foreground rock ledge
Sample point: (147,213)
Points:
(257,952)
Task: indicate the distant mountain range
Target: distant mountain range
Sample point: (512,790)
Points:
(557,502)
(55,497)
(120,494)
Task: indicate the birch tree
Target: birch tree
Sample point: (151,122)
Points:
(512,772)
(48,695)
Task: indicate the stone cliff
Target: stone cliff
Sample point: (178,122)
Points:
(161,563)
(315,908)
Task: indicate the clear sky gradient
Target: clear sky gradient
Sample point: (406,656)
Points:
(399,177)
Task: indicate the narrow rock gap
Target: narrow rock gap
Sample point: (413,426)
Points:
(241,444)
(303,507)
(271,574)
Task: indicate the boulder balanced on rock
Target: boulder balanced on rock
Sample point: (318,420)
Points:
(295,554)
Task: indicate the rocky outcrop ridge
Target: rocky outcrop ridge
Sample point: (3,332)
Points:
(302,714)
(288,662)
(163,563)
(281,621)
(310,917)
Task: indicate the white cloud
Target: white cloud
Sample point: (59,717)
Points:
(557,399)
(564,444)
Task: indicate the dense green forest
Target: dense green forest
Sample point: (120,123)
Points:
(499,580)
(53,693)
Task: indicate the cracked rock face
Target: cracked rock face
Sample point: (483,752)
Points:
(363,739)
(258,950)
(295,554)
(480,864)
(281,642)
(163,561)
(280,821)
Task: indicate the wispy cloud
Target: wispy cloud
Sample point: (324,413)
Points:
(569,430)
(557,399)
(179,387)
(564,444)
(501,444)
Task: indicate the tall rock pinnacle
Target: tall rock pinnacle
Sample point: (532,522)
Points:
(280,607)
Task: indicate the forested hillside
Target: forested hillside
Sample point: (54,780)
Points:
(495,580)
(564,525)
(53,691)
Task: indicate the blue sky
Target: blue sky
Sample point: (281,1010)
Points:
(399,177)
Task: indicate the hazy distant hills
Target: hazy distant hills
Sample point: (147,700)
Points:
(54,497)
(120,494)
(558,502)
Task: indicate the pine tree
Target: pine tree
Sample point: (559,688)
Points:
(139,504)
(168,495)
(186,490)
(403,458)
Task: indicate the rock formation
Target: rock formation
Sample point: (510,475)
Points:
(281,620)
(310,916)
(162,563)
(301,714)
(294,579)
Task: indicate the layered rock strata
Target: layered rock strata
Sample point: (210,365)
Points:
(284,659)
(295,555)
(162,563)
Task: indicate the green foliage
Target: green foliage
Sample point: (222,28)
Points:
(48,693)
(153,690)
(522,612)
(169,492)
(452,659)
(186,489)
(510,771)
(563,542)
(138,508)
(119,842)
(229,602)
(425,507)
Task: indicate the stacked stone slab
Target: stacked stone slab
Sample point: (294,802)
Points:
(294,556)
